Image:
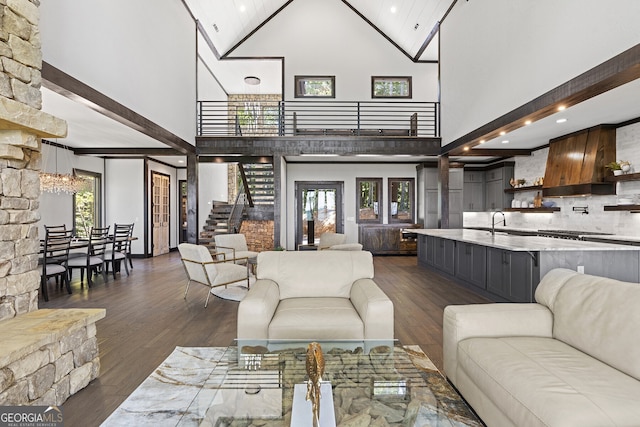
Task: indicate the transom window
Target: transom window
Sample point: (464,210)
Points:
(315,86)
(390,87)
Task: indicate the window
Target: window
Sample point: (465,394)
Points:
(390,87)
(401,200)
(86,204)
(315,86)
(369,199)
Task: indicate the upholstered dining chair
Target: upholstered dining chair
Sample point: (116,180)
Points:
(94,259)
(120,248)
(55,258)
(202,268)
(233,246)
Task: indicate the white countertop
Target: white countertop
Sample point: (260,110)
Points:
(502,240)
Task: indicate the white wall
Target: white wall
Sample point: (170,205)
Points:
(324,37)
(124,197)
(499,54)
(145,61)
(57,209)
(339,172)
(212,186)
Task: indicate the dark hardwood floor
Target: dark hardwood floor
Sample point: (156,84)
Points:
(147,318)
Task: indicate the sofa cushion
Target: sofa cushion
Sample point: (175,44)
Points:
(596,315)
(316,318)
(539,381)
(309,274)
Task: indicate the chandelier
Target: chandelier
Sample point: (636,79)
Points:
(58,183)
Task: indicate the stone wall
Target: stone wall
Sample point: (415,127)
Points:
(259,235)
(20,161)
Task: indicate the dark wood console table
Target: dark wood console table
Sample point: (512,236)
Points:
(388,239)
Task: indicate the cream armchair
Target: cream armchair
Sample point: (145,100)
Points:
(233,246)
(322,295)
(202,268)
(336,242)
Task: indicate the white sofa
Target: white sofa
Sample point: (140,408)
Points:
(315,295)
(571,359)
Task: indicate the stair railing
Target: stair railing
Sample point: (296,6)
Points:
(245,184)
(237,211)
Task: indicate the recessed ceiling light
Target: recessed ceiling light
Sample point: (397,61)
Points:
(482,141)
(502,133)
(527,123)
(561,108)
(506,141)
(393,9)
(466,148)
(242,8)
(180,161)
(561,120)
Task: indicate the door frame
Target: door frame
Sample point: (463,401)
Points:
(299,205)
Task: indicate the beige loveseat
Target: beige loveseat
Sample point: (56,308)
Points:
(572,359)
(315,295)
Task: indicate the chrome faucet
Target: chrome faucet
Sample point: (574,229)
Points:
(493,221)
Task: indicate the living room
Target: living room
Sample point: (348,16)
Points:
(125,54)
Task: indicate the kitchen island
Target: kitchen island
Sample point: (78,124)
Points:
(507,267)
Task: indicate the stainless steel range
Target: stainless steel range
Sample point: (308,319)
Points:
(569,234)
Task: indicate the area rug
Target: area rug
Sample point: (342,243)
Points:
(184,388)
(233,292)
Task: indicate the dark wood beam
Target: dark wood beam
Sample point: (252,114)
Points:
(72,88)
(234,159)
(192,198)
(488,152)
(321,144)
(617,71)
(127,152)
(443,184)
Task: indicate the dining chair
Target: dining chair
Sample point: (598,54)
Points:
(55,258)
(94,260)
(234,246)
(202,268)
(130,227)
(120,249)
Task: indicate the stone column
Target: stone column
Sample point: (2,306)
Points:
(22,124)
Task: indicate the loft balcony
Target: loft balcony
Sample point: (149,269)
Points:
(318,118)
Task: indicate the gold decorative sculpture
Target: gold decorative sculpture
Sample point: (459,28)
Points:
(315,370)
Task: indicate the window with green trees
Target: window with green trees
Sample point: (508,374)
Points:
(369,200)
(86,204)
(315,86)
(390,87)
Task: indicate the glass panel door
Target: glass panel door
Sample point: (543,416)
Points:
(86,204)
(319,210)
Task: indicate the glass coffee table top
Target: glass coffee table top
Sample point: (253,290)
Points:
(253,385)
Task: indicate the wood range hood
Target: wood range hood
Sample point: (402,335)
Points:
(576,163)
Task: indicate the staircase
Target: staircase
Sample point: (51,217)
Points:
(259,177)
(217,223)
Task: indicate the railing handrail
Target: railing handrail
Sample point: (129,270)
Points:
(237,210)
(284,118)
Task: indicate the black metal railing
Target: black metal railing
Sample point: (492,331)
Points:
(291,118)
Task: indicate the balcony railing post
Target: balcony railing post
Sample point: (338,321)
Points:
(358,117)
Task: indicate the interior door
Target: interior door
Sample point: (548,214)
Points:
(160,213)
(318,210)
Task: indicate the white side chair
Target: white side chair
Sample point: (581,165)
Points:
(233,246)
(202,268)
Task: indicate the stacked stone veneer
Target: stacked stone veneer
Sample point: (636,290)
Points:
(45,355)
(259,234)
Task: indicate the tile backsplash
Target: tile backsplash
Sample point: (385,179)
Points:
(621,223)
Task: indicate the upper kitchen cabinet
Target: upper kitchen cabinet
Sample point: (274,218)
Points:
(497,180)
(473,191)
(429,197)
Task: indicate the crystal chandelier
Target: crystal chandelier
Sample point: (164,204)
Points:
(61,182)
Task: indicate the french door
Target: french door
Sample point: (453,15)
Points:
(160,213)
(318,210)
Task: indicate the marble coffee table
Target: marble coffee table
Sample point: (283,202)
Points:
(389,385)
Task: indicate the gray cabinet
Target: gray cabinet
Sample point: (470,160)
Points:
(511,275)
(437,253)
(473,196)
(429,211)
(497,180)
(471,263)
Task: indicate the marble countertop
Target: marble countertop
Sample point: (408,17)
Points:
(502,240)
